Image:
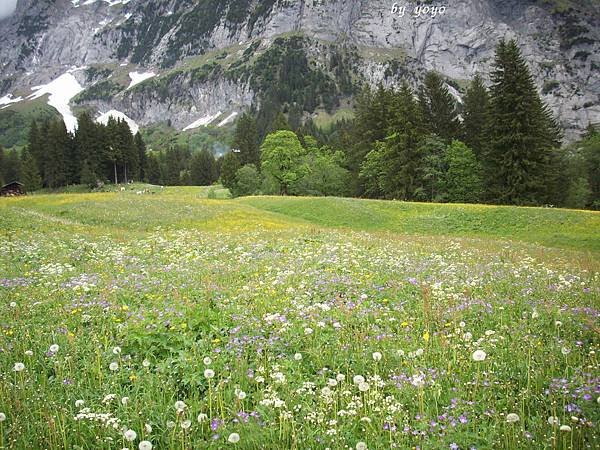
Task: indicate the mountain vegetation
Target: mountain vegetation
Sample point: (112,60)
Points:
(499,145)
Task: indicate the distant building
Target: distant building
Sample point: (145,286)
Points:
(13,189)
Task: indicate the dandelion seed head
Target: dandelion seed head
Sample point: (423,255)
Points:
(130,435)
(479,355)
(512,418)
(145,445)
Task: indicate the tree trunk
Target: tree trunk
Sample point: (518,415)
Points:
(115,167)
(125,173)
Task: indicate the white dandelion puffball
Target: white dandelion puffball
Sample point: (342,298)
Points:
(170,424)
(2,417)
(13,304)
(361,446)
(19,367)
(535,314)
(124,401)
(565,351)
(209,373)
(298,356)
(479,355)
(179,405)
(207,361)
(234,438)
(358,379)
(54,348)
(340,377)
(565,428)
(116,351)
(512,418)
(363,387)
(558,323)
(79,403)
(28,353)
(241,395)
(130,435)
(145,445)
(113,366)
(308,330)
(553,420)
(377,356)
(148,428)
(419,352)
(186,424)
(202,417)
(146,363)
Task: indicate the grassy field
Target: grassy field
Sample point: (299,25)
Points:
(160,318)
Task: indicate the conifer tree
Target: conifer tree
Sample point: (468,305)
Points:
(153,175)
(57,144)
(89,142)
(439,108)
(404,179)
(280,123)
(202,168)
(476,116)
(2,163)
(229,167)
(522,132)
(30,175)
(140,148)
(246,140)
(36,147)
(112,153)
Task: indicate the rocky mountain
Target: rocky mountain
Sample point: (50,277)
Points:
(197,62)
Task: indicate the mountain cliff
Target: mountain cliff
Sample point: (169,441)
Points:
(191,62)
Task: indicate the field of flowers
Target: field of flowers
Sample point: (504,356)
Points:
(169,321)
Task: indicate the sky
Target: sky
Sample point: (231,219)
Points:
(7,7)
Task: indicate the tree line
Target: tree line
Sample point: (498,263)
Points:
(498,144)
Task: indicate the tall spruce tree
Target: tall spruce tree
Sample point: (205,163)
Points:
(522,132)
(202,168)
(140,148)
(439,108)
(476,116)
(246,140)
(373,113)
(229,167)
(30,175)
(36,147)
(89,142)
(2,163)
(58,141)
(405,176)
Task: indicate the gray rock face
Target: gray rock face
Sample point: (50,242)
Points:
(45,37)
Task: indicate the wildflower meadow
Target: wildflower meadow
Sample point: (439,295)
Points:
(168,320)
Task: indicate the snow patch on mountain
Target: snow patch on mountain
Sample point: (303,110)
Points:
(203,121)
(137,78)
(60,91)
(228,119)
(103,119)
(77,3)
(8,99)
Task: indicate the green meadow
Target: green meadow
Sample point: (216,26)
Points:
(179,318)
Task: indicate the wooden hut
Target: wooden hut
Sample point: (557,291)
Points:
(13,189)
